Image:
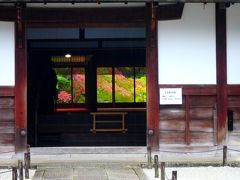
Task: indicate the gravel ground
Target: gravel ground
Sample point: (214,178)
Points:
(199,173)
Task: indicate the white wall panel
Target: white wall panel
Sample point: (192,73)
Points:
(233,44)
(186,47)
(7,54)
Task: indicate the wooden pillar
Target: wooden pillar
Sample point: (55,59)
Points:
(152,79)
(187,120)
(91,85)
(221,63)
(20,81)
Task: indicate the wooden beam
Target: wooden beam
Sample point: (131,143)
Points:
(20,81)
(100,17)
(7,91)
(233,90)
(7,13)
(170,11)
(198,90)
(118,1)
(187,120)
(221,63)
(152,78)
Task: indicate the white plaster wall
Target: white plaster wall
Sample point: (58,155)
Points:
(186,47)
(7,54)
(233,44)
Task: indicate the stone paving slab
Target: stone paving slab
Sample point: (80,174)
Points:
(90,173)
(54,174)
(88,164)
(94,171)
(38,175)
(125,173)
(90,178)
(58,174)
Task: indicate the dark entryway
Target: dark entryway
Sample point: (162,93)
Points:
(74,72)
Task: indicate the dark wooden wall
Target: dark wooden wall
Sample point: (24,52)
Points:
(74,129)
(234,106)
(192,123)
(195,122)
(7,122)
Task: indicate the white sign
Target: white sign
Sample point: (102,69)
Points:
(7,54)
(170,96)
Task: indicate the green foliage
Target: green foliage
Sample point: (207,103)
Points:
(141,95)
(104,96)
(71,88)
(104,87)
(64,83)
(124,85)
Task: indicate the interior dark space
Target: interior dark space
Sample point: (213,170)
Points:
(88,90)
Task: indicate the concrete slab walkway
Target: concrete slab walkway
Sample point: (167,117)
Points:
(90,173)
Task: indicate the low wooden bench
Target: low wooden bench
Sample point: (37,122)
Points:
(120,121)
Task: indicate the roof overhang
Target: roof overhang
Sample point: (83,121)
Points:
(38,16)
(119,1)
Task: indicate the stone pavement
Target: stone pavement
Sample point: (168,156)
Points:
(93,172)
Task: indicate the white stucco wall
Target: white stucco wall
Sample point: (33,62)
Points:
(186,47)
(7,54)
(233,44)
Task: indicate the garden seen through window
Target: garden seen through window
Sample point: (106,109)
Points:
(113,84)
(121,84)
(71,85)
(70,79)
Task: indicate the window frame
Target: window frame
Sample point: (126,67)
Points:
(72,104)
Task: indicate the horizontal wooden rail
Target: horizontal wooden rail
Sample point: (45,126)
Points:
(7,91)
(233,90)
(203,90)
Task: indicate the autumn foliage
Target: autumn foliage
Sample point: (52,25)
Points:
(71,88)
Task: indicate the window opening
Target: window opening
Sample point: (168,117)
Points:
(124,84)
(104,85)
(121,85)
(71,83)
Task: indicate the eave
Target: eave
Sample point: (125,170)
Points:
(119,1)
(95,16)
